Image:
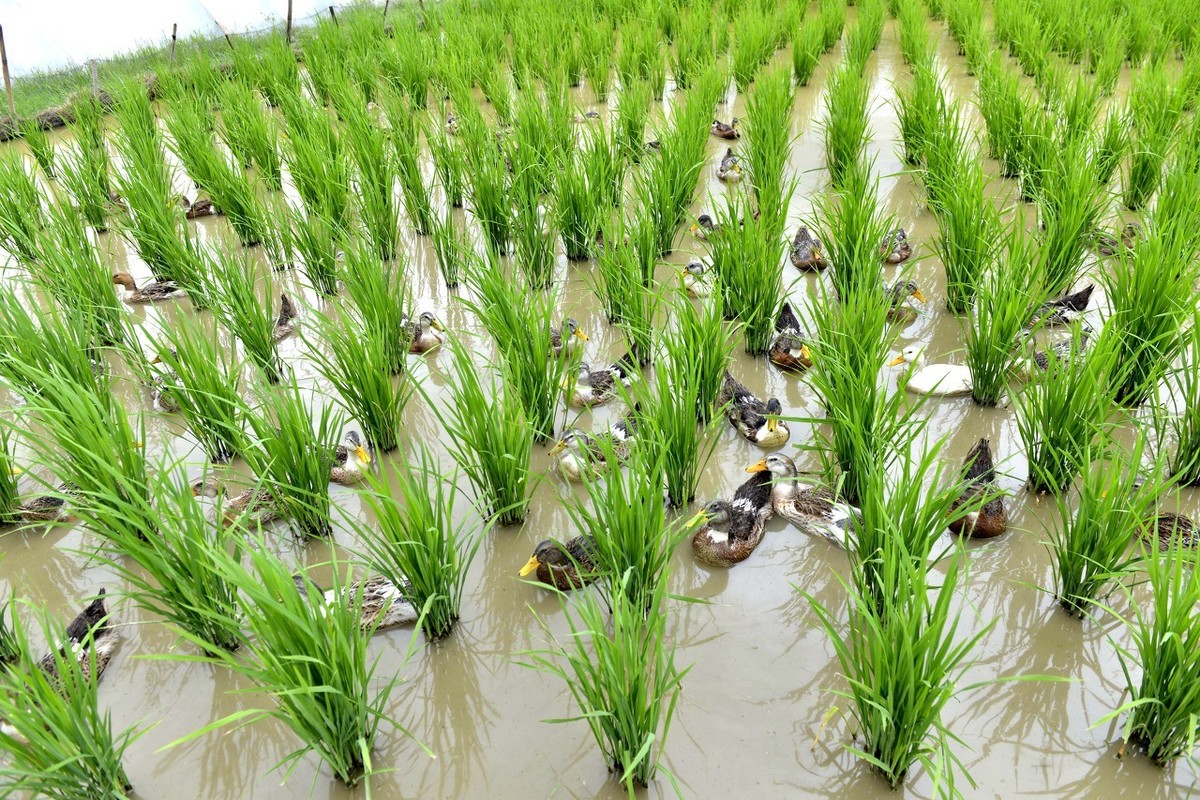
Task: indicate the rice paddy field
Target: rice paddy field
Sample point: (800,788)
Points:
(305,359)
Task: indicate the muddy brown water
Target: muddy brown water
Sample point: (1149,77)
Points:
(763,673)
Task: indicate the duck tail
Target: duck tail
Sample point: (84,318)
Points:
(979,466)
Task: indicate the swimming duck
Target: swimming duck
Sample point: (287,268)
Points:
(789,351)
(814,509)
(201,207)
(756,421)
(895,248)
(46,507)
(593,388)
(723,131)
(350,460)
(255,504)
(451,125)
(1168,529)
(564,566)
(152,292)
(425,334)
(580,454)
(566,337)
(90,640)
(979,474)
(806,252)
(285,324)
(163,386)
(730,168)
(696,279)
(1060,351)
(899,293)
(1108,245)
(732,530)
(1063,310)
(588,116)
(704,227)
(940,380)
(383,603)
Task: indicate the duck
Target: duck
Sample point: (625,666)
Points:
(1168,529)
(939,380)
(813,509)
(46,507)
(580,455)
(789,351)
(91,641)
(1060,351)
(730,168)
(1108,245)
(979,477)
(898,294)
(153,292)
(564,566)
(201,207)
(425,333)
(285,323)
(451,125)
(256,504)
(704,227)
(756,421)
(588,116)
(732,530)
(596,387)
(696,279)
(1064,309)
(566,337)
(723,131)
(895,248)
(163,387)
(351,460)
(806,252)
(384,604)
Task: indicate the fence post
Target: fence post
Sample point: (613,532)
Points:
(288,30)
(94,72)
(174,33)
(333,16)
(12,107)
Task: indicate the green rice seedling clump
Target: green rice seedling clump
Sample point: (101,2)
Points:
(845,123)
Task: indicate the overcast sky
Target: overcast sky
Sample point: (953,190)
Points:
(46,34)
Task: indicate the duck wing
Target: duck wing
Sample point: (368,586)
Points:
(1076,302)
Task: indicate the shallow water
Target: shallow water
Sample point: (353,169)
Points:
(750,722)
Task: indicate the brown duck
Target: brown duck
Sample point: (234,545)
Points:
(980,476)
(563,566)
(732,530)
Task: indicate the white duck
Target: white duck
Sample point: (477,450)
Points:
(944,380)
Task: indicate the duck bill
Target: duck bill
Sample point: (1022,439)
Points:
(558,448)
(437,326)
(917,293)
(693,229)
(895,362)
(758,466)
(362,454)
(530,566)
(697,518)
(15,471)
(805,353)
(772,424)
(579,334)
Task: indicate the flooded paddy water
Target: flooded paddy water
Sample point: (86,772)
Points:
(758,715)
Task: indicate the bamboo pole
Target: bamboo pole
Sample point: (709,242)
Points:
(288,29)
(174,34)
(94,73)
(12,107)
(385,8)
(333,16)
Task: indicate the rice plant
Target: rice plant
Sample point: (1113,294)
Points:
(1150,297)
(39,145)
(919,107)
(519,321)
(1163,708)
(88,193)
(633,108)
(494,455)
(968,232)
(418,544)
(619,667)
(704,342)
(1156,109)
(9,495)
(318,163)
(1111,145)
(903,661)
(747,257)
(317,243)
(177,573)
(1071,204)
(235,277)
(450,242)
(915,46)
(620,282)
(58,742)
(357,363)
(311,658)
(406,146)
(863,38)
(768,143)
(378,290)
(1091,543)
(596,50)
(851,229)
(1183,423)
(693,47)
(754,42)
(845,124)
(576,209)
(292,452)
(21,214)
(45,343)
(449,164)
(489,191)
(605,166)
(205,387)
(1000,103)
(1060,415)
(1007,294)
(250,132)
(808,43)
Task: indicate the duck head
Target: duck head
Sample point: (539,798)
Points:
(779,465)
(428,320)
(355,442)
(548,551)
(912,354)
(774,411)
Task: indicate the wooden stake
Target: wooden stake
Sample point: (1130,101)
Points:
(94,71)
(288,29)
(333,16)
(12,107)
(174,32)
(385,8)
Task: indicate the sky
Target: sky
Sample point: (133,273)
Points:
(48,34)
